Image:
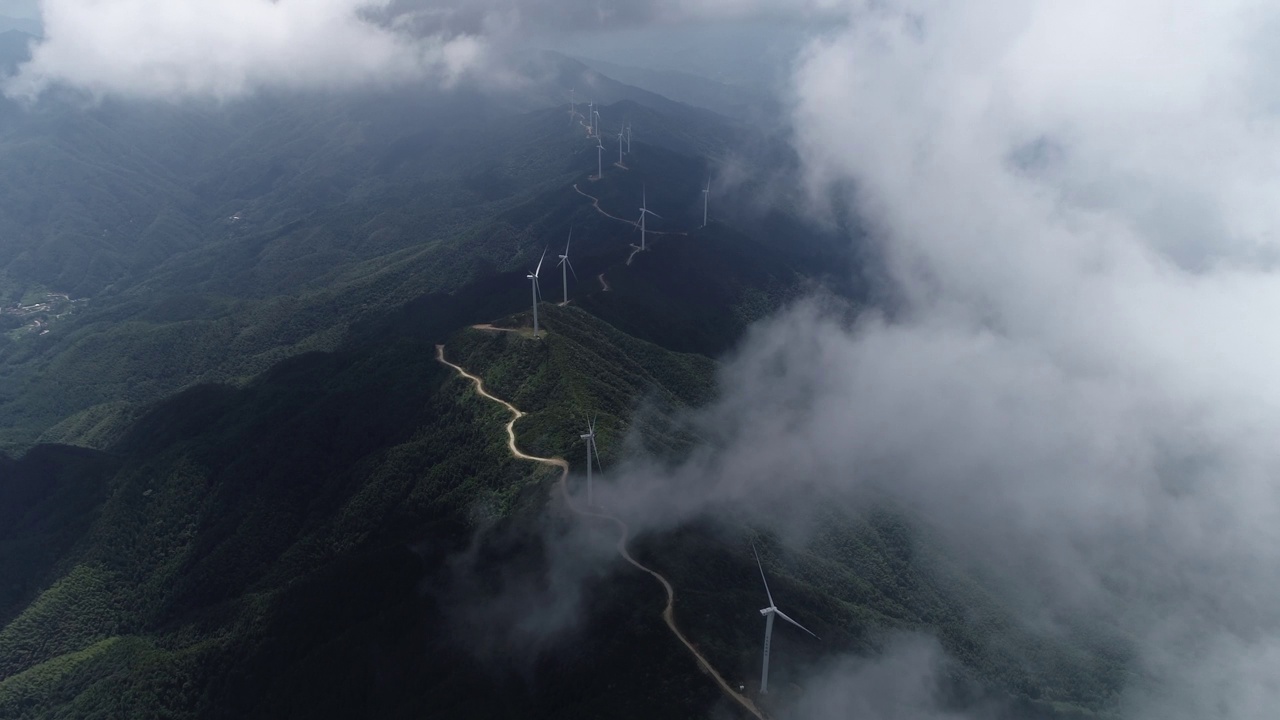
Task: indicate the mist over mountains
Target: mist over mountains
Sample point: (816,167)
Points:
(974,350)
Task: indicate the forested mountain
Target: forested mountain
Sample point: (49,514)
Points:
(239,483)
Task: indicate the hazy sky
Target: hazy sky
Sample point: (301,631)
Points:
(20,8)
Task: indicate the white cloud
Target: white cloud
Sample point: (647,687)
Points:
(1076,204)
(229,48)
(1076,201)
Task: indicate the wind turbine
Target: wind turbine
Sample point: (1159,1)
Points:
(768,613)
(533,278)
(591,113)
(706,193)
(566,266)
(644,210)
(590,437)
(620,131)
(599,158)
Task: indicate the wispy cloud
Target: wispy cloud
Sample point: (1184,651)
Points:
(189,48)
(1074,204)
(221,50)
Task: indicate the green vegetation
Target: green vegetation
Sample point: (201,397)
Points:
(283,506)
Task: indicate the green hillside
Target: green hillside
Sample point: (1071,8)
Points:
(241,485)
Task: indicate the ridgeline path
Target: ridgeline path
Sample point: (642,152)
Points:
(491,328)
(624,536)
(595,202)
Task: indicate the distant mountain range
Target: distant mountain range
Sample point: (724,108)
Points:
(27,26)
(741,103)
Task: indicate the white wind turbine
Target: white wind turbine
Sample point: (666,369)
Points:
(599,158)
(620,131)
(591,113)
(590,437)
(768,613)
(706,193)
(644,210)
(566,266)
(533,278)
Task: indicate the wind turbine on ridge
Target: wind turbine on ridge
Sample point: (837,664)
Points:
(599,158)
(565,267)
(644,210)
(706,192)
(590,437)
(533,278)
(624,167)
(768,613)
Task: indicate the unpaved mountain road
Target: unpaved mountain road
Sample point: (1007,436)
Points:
(493,328)
(595,202)
(624,536)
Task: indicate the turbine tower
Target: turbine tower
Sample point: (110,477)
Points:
(644,210)
(706,192)
(599,158)
(620,131)
(768,613)
(533,279)
(565,267)
(590,438)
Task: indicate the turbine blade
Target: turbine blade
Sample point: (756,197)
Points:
(544,257)
(793,622)
(762,577)
(575,272)
(567,244)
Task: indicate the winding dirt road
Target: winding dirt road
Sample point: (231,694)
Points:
(668,612)
(595,202)
(493,328)
(604,284)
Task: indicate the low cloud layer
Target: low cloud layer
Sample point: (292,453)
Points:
(189,48)
(228,49)
(1076,385)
